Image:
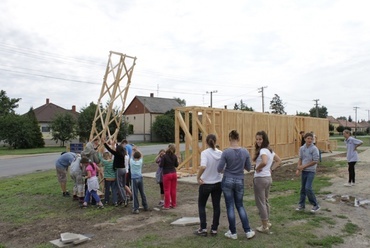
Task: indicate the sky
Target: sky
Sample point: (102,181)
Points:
(300,50)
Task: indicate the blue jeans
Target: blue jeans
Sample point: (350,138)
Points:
(110,188)
(306,189)
(93,194)
(233,190)
(138,187)
(204,191)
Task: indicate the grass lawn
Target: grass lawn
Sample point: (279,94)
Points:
(38,205)
(6,151)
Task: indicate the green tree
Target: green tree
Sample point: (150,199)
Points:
(242,106)
(277,106)
(340,129)
(86,118)
(182,102)
(63,127)
(20,131)
(342,118)
(323,112)
(349,119)
(7,105)
(34,130)
(302,114)
(163,127)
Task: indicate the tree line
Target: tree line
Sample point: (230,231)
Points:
(23,131)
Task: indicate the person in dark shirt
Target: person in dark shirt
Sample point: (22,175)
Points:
(169,163)
(120,163)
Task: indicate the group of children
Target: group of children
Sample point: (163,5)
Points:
(119,166)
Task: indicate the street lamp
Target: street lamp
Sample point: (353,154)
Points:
(211,92)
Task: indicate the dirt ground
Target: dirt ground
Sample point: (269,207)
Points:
(108,230)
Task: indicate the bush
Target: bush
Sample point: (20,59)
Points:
(359,133)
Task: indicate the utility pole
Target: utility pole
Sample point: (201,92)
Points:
(211,92)
(317,107)
(144,120)
(355,108)
(368,115)
(260,90)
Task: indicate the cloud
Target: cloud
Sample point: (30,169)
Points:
(300,50)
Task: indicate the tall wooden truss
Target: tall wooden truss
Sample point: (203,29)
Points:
(117,80)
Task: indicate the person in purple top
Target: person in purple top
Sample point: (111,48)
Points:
(234,160)
(352,156)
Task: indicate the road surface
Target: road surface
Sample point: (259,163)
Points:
(19,165)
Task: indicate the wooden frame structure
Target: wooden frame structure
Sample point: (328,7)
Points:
(120,66)
(283,131)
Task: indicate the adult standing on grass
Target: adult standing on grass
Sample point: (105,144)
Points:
(352,155)
(266,160)
(169,163)
(307,163)
(90,151)
(61,165)
(120,163)
(209,180)
(234,160)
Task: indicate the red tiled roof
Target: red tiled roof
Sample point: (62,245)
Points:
(48,111)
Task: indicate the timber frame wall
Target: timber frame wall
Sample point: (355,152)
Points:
(283,131)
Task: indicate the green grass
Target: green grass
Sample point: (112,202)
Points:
(351,228)
(340,140)
(21,197)
(9,151)
(328,241)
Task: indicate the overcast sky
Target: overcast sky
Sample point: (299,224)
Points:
(300,50)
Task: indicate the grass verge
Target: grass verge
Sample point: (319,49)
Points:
(34,200)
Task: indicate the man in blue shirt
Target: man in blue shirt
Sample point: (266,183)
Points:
(61,165)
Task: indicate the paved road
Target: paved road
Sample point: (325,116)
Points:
(19,165)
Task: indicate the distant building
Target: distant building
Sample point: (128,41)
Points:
(361,126)
(46,113)
(141,114)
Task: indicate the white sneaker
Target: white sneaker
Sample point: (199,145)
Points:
(250,234)
(229,235)
(347,184)
(353,184)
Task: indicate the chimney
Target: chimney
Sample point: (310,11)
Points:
(47,100)
(73,108)
(151,94)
